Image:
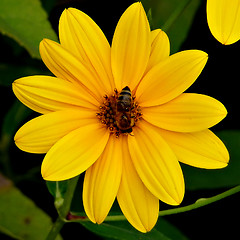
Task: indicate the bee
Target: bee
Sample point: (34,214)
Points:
(124,105)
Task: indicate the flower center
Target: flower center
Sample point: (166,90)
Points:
(119,112)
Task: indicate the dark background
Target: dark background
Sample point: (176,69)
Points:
(219,79)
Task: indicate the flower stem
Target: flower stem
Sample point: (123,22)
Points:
(64,209)
(57,226)
(199,203)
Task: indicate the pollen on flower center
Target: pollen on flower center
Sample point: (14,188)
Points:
(119,112)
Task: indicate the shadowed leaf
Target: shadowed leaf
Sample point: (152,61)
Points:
(26,22)
(20,218)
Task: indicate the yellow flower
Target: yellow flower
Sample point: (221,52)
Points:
(129,142)
(224,20)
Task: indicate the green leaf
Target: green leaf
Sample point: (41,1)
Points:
(26,22)
(20,218)
(122,230)
(169,230)
(197,178)
(174,17)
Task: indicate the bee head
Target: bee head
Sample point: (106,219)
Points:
(126,89)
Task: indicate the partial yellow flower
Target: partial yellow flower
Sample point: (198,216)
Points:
(119,113)
(223,18)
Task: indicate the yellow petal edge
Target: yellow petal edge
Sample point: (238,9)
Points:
(223,18)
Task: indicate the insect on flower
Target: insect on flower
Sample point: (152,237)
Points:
(120,112)
(124,116)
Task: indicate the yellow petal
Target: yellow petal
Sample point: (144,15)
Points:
(41,133)
(102,181)
(170,78)
(160,48)
(80,35)
(65,65)
(156,164)
(224,20)
(199,149)
(138,205)
(187,113)
(45,94)
(75,152)
(130,47)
